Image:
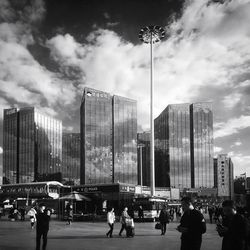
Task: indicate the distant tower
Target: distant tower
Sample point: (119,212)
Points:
(225,176)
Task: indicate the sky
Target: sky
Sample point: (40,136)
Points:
(50,50)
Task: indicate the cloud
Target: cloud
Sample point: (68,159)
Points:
(23,79)
(217,149)
(207,46)
(241,163)
(1,150)
(232,126)
(236,144)
(231,100)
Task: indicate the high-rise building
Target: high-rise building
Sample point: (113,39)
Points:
(32,146)
(184,146)
(108,138)
(225,176)
(143,152)
(71,158)
(201,128)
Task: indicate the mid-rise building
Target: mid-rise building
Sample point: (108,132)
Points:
(225,176)
(32,146)
(108,138)
(71,158)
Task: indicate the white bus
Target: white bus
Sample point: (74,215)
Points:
(151,207)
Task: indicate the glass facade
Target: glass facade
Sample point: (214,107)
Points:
(32,146)
(184,146)
(143,152)
(10,135)
(172,147)
(71,158)
(108,138)
(96,137)
(124,136)
(202,168)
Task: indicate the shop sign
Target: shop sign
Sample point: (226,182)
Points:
(127,189)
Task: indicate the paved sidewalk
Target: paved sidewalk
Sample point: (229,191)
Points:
(90,236)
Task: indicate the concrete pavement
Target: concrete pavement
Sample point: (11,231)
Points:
(91,236)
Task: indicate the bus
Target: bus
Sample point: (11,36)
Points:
(48,189)
(151,207)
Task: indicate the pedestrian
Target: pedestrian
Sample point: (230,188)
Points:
(140,213)
(69,210)
(164,219)
(32,214)
(233,228)
(42,226)
(111,221)
(192,226)
(1,212)
(22,213)
(124,216)
(211,212)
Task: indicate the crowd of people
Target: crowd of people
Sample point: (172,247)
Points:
(232,223)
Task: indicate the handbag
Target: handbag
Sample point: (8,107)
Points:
(158,226)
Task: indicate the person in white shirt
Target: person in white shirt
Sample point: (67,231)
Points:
(32,213)
(111,221)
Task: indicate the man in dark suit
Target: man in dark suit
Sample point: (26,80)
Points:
(192,226)
(233,228)
(42,226)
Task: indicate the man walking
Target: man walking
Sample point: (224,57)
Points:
(192,226)
(42,226)
(164,219)
(111,221)
(233,228)
(123,220)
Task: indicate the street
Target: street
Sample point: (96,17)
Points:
(87,236)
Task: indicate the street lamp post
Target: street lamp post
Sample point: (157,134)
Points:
(152,34)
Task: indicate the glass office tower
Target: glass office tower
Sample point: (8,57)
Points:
(172,147)
(124,140)
(71,158)
(10,146)
(202,145)
(108,138)
(184,146)
(33,142)
(96,137)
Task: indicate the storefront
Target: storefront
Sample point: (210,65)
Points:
(102,196)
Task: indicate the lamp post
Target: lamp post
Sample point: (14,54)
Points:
(151,34)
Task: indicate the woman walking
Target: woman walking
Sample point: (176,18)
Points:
(111,221)
(164,219)
(32,214)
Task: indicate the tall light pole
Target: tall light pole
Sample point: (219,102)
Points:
(152,34)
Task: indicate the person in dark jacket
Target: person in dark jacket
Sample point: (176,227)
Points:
(192,226)
(42,226)
(164,219)
(233,228)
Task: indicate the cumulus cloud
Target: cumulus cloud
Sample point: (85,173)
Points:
(217,149)
(207,46)
(23,79)
(232,126)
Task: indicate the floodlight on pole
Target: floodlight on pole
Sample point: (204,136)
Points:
(152,34)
